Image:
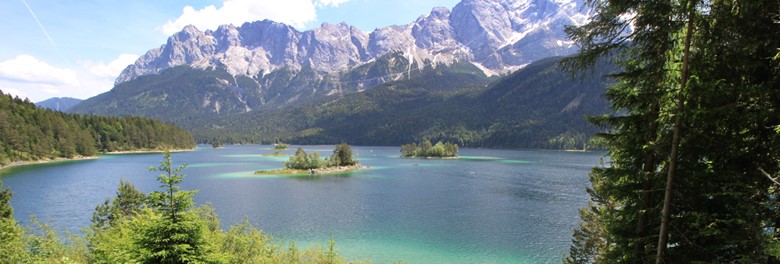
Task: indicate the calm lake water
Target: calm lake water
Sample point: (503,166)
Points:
(489,206)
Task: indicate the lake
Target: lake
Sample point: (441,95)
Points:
(489,206)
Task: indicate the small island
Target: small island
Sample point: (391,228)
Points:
(281,146)
(312,163)
(428,150)
(278,147)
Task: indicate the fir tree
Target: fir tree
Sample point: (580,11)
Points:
(176,237)
(697,99)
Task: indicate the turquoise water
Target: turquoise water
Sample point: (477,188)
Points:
(489,206)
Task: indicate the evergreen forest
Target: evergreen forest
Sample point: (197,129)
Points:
(694,144)
(30,133)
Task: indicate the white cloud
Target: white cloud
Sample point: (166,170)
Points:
(27,76)
(110,70)
(333,3)
(28,69)
(292,12)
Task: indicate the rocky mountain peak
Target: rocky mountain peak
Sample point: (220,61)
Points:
(495,35)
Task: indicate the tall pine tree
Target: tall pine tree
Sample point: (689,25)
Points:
(720,203)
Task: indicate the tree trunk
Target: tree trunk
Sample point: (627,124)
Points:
(645,203)
(663,236)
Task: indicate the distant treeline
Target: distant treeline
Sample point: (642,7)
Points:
(29,133)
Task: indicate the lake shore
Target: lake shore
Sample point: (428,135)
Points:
(42,161)
(144,151)
(415,157)
(329,170)
(23,163)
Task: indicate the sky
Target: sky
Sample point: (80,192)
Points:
(77,48)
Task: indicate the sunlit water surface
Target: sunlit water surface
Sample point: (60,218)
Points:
(489,206)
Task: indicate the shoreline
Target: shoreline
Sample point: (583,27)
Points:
(143,151)
(415,157)
(44,161)
(77,158)
(275,155)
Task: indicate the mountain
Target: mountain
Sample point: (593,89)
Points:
(58,103)
(539,106)
(185,95)
(432,78)
(497,35)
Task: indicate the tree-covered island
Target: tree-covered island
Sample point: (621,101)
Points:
(281,146)
(428,150)
(302,163)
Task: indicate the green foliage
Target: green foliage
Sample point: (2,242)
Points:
(6,211)
(39,244)
(176,237)
(342,156)
(126,204)
(30,133)
(299,161)
(723,209)
(152,232)
(243,243)
(14,249)
(172,201)
(281,146)
(426,150)
(164,241)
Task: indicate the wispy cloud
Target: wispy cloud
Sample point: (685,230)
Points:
(39,23)
(293,12)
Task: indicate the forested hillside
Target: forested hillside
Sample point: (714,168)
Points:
(30,133)
(539,106)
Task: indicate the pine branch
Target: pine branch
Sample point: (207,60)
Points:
(776,180)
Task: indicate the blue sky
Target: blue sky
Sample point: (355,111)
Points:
(76,48)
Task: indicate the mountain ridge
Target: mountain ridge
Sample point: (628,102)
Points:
(434,78)
(497,35)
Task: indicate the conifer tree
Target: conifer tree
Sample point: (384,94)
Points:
(719,203)
(176,237)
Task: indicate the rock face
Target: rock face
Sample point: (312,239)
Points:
(496,35)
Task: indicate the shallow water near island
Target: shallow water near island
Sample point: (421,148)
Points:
(489,206)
